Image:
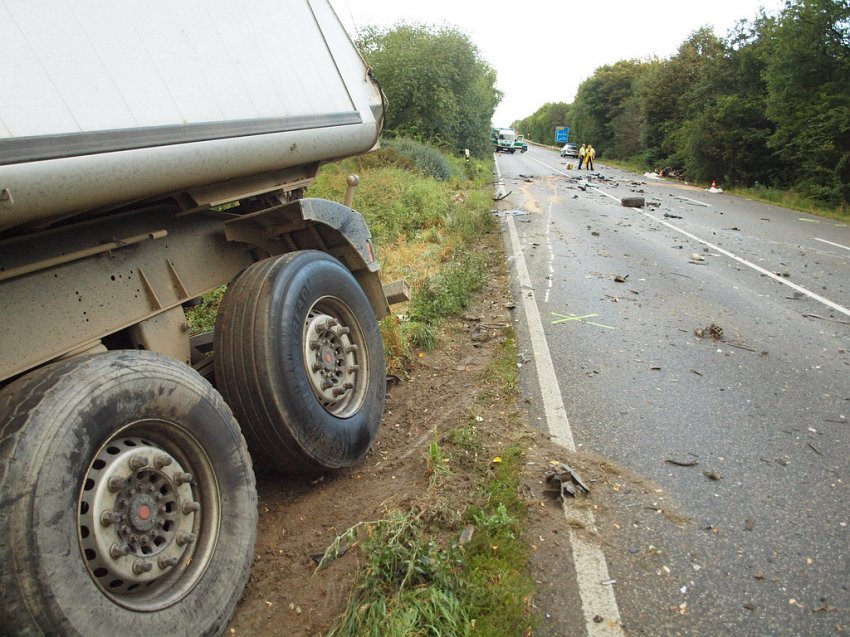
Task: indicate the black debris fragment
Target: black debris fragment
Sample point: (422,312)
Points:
(683,462)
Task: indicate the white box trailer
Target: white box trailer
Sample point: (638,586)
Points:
(151,152)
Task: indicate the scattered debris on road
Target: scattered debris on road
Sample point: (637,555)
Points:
(712,475)
(621,278)
(683,462)
(633,202)
(563,480)
(712,331)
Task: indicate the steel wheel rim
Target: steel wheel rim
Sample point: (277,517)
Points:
(335,357)
(148,515)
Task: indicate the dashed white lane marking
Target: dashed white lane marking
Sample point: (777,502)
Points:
(837,245)
(597,600)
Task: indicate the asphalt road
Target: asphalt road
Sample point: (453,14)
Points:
(762,413)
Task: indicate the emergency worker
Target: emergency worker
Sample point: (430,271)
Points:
(581,155)
(589,156)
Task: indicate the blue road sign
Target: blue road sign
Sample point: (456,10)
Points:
(562,134)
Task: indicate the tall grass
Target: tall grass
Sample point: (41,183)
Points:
(424,210)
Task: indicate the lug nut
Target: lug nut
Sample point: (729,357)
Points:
(137,462)
(142,566)
(166,561)
(191,507)
(115,483)
(314,345)
(162,461)
(184,538)
(109,517)
(182,478)
(119,550)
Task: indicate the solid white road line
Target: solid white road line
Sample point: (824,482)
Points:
(597,600)
(799,288)
(757,268)
(837,245)
(551,254)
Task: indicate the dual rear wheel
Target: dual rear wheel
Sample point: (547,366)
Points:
(128,495)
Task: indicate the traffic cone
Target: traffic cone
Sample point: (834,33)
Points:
(713,184)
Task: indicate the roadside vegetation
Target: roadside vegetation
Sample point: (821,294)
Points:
(424,209)
(765,108)
(454,562)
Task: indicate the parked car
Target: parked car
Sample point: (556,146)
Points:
(569,150)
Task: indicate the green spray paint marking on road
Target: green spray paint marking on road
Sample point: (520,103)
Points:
(581,319)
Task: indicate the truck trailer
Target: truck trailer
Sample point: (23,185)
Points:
(151,152)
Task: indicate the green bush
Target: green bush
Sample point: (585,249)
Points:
(426,158)
(449,291)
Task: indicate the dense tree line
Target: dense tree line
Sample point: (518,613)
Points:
(769,104)
(439,88)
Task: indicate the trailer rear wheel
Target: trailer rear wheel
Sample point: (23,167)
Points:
(129,500)
(300,360)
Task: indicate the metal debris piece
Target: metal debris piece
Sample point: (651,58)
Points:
(679,462)
(563,480)
(713,331)
(621,278)
(712,475)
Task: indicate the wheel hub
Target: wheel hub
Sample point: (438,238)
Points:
(137,514)
(331,359)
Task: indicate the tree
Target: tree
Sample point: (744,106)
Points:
(540,126)
(439,88)
(808,78)
(605,113)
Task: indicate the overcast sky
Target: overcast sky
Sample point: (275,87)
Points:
(543,49)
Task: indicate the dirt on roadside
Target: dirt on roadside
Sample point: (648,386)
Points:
(299,517)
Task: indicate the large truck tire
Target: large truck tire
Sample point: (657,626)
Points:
(300,360)
(103,531)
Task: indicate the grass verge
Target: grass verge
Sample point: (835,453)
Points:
(429,573)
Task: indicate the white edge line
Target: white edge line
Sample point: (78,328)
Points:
(589,560)
(837,245)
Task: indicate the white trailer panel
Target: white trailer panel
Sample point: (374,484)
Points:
(109,101)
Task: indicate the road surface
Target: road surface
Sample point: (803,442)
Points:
(745,429)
